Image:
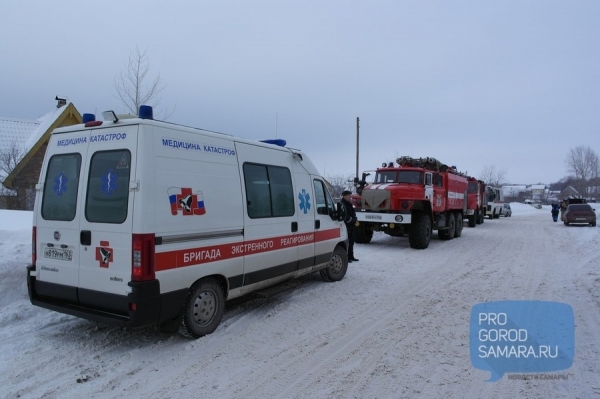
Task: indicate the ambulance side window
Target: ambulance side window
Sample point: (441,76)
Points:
(59,201)
(269,191)
(108,187)
(321,198)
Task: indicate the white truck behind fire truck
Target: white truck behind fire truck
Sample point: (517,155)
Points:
(495,202)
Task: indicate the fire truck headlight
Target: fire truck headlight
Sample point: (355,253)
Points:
(399,218)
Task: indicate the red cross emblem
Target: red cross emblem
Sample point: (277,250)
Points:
(104,254)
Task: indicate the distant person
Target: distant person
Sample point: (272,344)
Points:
(563,208)
(554,211)
(350,221)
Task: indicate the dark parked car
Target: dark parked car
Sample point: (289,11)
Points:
(580,213)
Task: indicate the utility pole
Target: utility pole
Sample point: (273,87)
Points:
(357,146)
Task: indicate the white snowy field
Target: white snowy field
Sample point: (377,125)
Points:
(397,326)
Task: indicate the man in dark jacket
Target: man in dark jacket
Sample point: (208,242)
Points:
(563,208)
(350,221)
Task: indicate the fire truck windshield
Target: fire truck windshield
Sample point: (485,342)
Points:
(402,176)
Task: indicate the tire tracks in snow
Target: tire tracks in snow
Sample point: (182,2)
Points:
(334,360)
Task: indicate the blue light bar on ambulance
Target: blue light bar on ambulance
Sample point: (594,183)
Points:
(279,142)
(88,118)
(145,112)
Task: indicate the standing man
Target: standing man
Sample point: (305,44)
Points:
(350,221)
(563,208)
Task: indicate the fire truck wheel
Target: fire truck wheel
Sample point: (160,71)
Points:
(362,234)
(338,265)
(473,221)
(420,231)
(451,226)
(203,308)
(459,224)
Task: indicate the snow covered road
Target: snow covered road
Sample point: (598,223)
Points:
(396,326)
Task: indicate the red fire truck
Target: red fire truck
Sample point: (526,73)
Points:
(414,197)
(476,202)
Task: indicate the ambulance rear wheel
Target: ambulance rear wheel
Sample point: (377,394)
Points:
(203,308)
(338,266)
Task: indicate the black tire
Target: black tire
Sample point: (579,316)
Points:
(443,234)
(419,233)
(362,234)
(481,216)
(566,223)
(593,224)
(496,215)
(458,224)
(338,265)
(472,220)
(451,226)
(203,308)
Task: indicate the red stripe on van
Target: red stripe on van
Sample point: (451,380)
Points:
(213,253)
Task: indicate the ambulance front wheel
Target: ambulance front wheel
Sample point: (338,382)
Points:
(203,308)
(338,265)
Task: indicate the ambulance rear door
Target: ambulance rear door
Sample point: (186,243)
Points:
(108,188)
(58,212)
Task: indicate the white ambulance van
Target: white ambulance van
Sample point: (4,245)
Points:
(140,222)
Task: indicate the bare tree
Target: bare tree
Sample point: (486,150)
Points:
(492,176)
(9,159)
(133,86)
(583,163)
(339,183)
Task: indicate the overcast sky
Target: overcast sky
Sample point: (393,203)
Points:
(474,83)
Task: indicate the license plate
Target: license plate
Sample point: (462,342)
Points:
(59,254)
(579,218)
